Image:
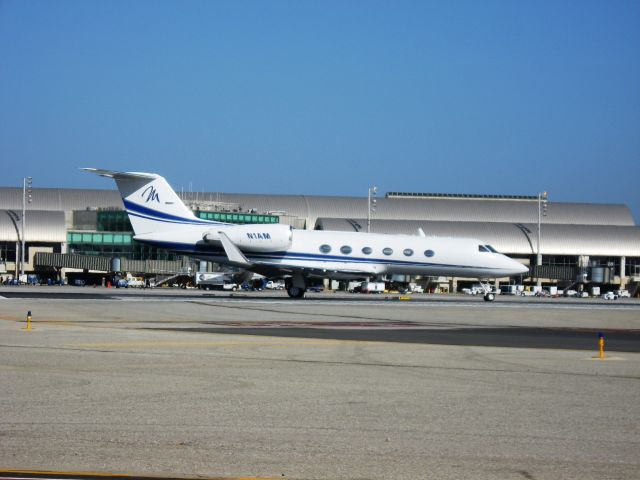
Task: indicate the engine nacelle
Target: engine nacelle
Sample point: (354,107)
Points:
(255,237)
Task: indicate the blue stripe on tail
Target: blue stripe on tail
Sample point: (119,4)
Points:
(151,214)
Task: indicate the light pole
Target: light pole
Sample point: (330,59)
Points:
(371,205)
(542,211)
(26,196)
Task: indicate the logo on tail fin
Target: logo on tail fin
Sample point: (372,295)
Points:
(151,194)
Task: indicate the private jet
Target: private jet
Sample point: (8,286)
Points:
(160,219)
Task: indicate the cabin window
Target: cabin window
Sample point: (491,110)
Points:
(491,249)
(482,248)
(387,251)
(408,252)
(325,248)
(367,250)
(346,249)
(429,253)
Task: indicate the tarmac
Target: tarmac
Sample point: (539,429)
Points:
(187,384)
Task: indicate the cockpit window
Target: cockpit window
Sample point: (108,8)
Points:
(491,249)
(482,248)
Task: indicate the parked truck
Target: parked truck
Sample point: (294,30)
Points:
(511,289)
(214,280)
(372,287)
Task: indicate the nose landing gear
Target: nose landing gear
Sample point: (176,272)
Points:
(489,296)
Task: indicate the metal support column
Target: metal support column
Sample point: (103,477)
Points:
(371,205)
(542,211)
(26,191)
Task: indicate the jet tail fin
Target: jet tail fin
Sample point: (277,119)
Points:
(152,205)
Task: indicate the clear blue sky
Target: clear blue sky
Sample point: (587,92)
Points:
(326,97)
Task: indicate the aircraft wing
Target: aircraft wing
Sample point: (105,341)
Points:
(237,258)
(341,274)
(233,253)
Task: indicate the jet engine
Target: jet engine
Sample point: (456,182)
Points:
(254,237)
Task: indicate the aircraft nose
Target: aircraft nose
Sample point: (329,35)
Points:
(515,266)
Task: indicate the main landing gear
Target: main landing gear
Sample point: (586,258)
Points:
(296,292)
(294,288)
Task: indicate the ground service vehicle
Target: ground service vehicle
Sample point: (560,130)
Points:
(271,285)
(135,282)
(372,287)
(214,281)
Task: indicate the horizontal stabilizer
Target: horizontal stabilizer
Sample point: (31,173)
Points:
(114,174)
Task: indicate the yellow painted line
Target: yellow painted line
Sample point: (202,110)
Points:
(121,475)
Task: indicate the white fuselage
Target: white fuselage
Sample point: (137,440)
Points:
(160,218)
(354,254)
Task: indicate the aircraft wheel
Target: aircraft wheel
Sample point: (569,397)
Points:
(489,297)
(296,292)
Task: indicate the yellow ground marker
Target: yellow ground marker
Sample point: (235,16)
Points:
(28,327)
(601,345)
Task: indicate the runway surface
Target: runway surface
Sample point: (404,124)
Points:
(183,384)
(619,340)
(76,293)
(359,328)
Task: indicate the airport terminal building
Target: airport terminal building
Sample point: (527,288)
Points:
(80,231)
